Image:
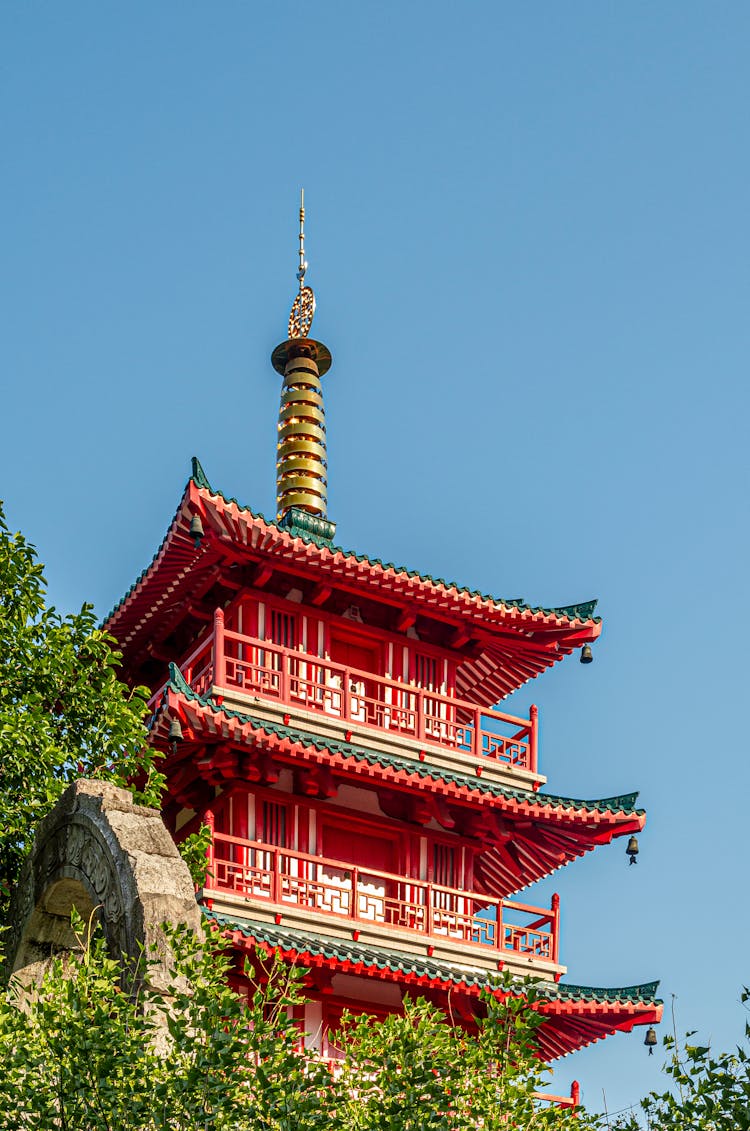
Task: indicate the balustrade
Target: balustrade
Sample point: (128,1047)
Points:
(264,872)
(332,1056)
(231,661)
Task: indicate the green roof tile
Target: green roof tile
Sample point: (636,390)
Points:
(582,611)
(622,803)
(422,967)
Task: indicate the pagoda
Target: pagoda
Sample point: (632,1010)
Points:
(333,719)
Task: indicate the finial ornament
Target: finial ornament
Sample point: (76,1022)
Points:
(301,462)
(303,307)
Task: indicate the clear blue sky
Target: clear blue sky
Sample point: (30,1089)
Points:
(528,232)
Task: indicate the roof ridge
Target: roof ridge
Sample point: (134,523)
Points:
(146,569)
(583,610)
(401,960)
(618,803)
(198,475)
(642,991)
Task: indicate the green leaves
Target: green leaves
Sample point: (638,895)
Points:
(194,851)
(712,1091)
(63,711)
(85,1054)
(422,1072)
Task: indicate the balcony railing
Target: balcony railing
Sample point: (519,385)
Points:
(333,1057)
(573,1100)
(231,661)
(368,897)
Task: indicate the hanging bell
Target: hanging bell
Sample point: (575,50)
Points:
(175,735)
(632,849)
(650,1039)
(196,530)
(587,655)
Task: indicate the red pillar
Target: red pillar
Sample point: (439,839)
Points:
(534,738)
(210,881)
(220,667)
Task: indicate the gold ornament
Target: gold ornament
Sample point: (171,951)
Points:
(302,313)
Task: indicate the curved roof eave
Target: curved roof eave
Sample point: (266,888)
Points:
(574,1016)
(228,522)
(178,693)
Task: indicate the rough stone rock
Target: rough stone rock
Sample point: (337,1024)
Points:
(99,852)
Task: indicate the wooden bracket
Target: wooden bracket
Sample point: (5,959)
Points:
(259,769)
(320,594)
(442,812)
(200,613)
(263,575)
(224,760)
(315,781)
(406,619)
(460,637)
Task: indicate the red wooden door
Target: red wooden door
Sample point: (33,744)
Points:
(361,693)
(375,898)
(353,654)
(361,848)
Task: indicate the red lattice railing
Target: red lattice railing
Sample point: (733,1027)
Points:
(231,661)
(366,896)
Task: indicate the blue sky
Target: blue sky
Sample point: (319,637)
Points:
(528,234)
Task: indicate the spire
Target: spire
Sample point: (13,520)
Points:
(301,465)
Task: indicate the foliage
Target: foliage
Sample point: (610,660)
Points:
(710,1091)
(63,711)
(194,851)
(421,1072)
(84,1055)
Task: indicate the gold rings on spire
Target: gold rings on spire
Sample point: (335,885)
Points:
(301,465)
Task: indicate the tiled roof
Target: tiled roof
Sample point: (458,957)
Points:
(416,966)
(584,611)
(623,803)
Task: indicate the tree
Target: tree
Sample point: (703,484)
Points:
(422,1072)
(63,711)
(90,1050)
(710,1091)
(85,1055)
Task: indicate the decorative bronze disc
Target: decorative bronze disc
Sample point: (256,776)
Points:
(302,313)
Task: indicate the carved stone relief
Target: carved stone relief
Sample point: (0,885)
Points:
(98,852)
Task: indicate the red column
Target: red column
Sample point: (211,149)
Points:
(276,880)
(477,738)
(555,927)
(220,667)
(346,694)
(285,660)
(419,699)
(239,826)
(210,880)
(534,738)
(354,909)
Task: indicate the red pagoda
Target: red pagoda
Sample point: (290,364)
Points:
(332,718)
